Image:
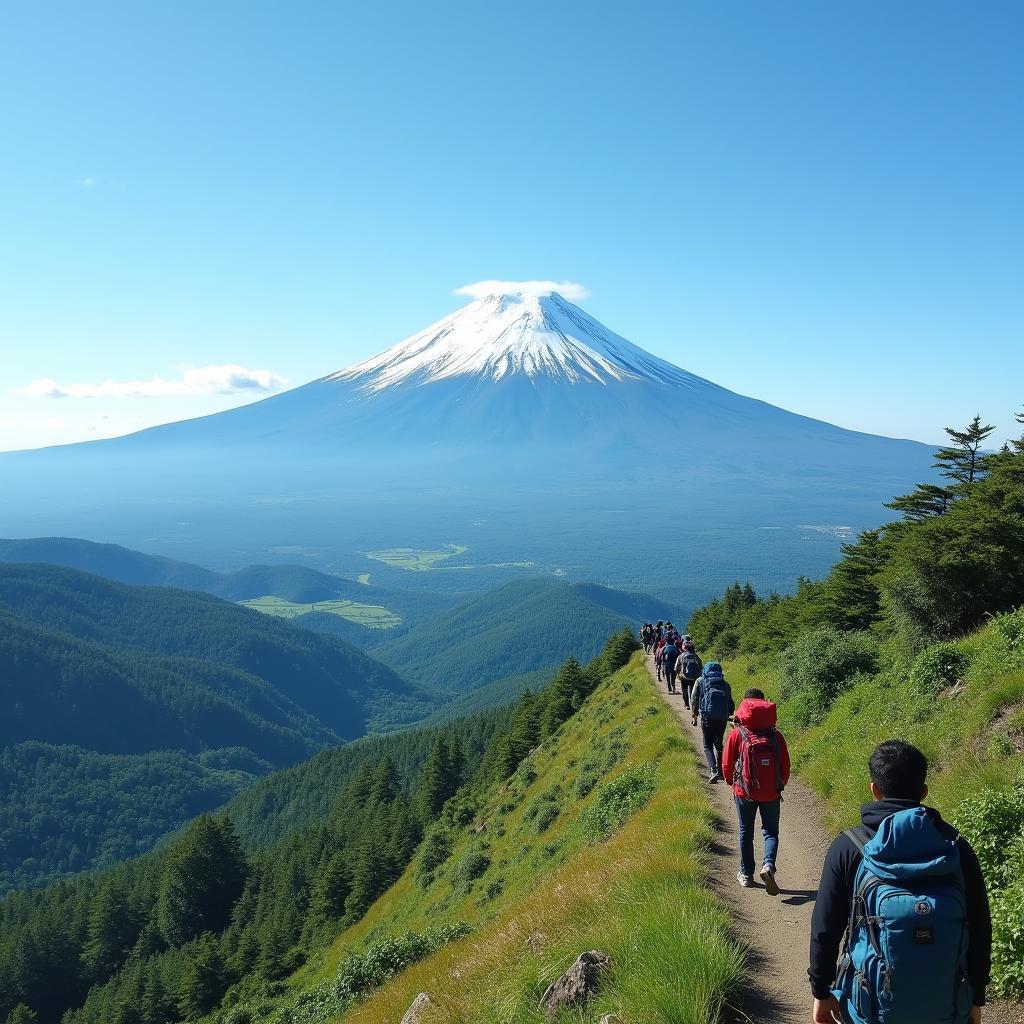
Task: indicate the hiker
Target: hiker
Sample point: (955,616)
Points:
(906,875)
(756,762)
(711,699)
(669,664)
(691,668)
(645,637)
(658,648)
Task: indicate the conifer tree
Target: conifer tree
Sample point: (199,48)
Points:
(963,461)
(924,501)
(565,697)
(202,880)
(435,784)
(327,901)
(384,785)
(202,978)
(22,1014)
(111,932)
(367,881)
(1017,443)
(851,596)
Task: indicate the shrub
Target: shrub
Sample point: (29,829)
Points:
(938,667)
(585,782)
(1010,630)
(1008,941)
(993,823)
(437,848)
(819,665)
(364,971)
(546,817)
(473,863)
(617,800)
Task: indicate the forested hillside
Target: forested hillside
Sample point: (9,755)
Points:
(297,583)
(165,937)
(917,633)
(151,704)
(522,627)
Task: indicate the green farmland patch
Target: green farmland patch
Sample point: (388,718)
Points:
(415,559)
(373,616)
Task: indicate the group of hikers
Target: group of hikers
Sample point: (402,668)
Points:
(901,930)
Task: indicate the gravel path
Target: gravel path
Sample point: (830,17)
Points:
(776,930)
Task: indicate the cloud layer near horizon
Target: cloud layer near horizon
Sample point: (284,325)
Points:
(225,379)
(571,290)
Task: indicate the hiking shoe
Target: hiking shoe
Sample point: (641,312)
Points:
(714,778)
(768,878)
(745,880)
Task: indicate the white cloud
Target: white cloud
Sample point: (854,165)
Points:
(227,379)
(567,289)
(87,182)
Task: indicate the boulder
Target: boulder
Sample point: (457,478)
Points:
(578,983)
(417,1013)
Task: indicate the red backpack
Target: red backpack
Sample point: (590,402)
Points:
(759,762)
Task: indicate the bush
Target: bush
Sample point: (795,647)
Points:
(471,866)
(546,817)
(938,667)
(1008,941)
(364,971)
(1010,630)
(819,665)
(993,823)
(617,800)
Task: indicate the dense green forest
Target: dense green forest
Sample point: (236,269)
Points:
(210,917)
(66,809)
(522,627)
(141,684)
(917,632)
(297,583)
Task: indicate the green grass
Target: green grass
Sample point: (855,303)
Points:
(972,733)
(371,615)
(537,885)
(415,559)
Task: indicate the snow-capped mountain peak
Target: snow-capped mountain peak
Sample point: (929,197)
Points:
(500,335)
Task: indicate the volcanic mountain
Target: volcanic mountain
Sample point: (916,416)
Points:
(517,406)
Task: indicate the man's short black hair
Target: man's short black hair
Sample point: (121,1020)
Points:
(755,693)
(898,770)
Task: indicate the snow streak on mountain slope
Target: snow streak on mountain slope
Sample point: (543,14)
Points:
(502,335)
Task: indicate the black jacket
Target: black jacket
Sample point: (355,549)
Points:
(835,891)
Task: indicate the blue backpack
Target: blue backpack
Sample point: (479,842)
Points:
(692,666)
(714,694)
(905,957)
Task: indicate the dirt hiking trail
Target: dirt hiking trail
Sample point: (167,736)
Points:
(775,929)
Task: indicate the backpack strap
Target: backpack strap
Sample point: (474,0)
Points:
(741,765)
(856,836)
(853,834)
(774,738)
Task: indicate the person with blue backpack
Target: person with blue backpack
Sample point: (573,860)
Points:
(907,892)
(711,699)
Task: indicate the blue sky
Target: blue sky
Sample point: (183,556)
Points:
(816,204)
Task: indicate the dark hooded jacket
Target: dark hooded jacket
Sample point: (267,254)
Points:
(835,891)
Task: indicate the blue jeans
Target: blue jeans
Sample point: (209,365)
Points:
(746,811)
(714,737)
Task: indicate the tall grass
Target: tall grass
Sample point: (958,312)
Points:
(639,894)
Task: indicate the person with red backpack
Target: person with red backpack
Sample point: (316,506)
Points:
(756,762)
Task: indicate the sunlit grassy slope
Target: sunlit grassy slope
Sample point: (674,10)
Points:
(972,732)
(536,885)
